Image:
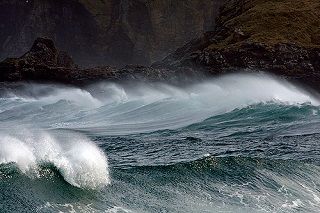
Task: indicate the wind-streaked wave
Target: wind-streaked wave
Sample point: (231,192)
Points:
(116,109)
(237,143)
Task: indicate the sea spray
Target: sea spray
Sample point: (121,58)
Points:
(80,161)
(145,107)
(252,146)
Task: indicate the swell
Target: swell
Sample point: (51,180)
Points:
(164,129)
(238,184)
(229,169)
(262,114)
(242,184)
(231,165)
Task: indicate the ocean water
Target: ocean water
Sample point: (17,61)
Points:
(237,143)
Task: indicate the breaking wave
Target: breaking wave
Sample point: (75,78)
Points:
(115,109)
(79,161)
(237,143)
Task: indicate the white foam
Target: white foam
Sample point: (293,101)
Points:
(123,109)
(14,150)
(224,93)
(74,95)
(50,94)
(80,161)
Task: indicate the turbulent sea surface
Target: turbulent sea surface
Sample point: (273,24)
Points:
(238,143)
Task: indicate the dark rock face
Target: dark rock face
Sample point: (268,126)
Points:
(229,48)
(116,32)
(44,52)
(288,60)
(68,23)
(45,63)
(232,46)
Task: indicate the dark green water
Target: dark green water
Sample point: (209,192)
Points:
(243,143)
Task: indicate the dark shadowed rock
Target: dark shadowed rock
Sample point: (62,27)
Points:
(116,32)
(45,63)
(258,35)
(250,35)
(43,52)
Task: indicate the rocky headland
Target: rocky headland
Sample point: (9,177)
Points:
(279,37)
(45,63)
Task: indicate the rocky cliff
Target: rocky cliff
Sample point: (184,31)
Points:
(45,63)
(281,37)
(113,32)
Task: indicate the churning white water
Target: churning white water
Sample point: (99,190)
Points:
(80,161)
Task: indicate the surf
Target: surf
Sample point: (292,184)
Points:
(80,162)
(116,109)
(243,142)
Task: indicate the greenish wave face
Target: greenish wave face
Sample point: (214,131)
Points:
(239,143)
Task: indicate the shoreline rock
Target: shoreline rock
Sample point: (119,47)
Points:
(45,63)
(243,41)
(234,45)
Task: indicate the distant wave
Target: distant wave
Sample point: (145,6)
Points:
(230,165)
(116,109)
(79,161)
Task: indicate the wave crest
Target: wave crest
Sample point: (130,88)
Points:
(116,109)
(80,161)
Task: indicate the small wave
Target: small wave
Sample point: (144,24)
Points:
(232,166)
(80,161)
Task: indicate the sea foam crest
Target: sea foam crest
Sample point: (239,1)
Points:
(80,161)
(117,109)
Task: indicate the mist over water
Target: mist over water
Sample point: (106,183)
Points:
(237,143)
(116,109)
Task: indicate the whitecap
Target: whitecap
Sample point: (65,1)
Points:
(79,160)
